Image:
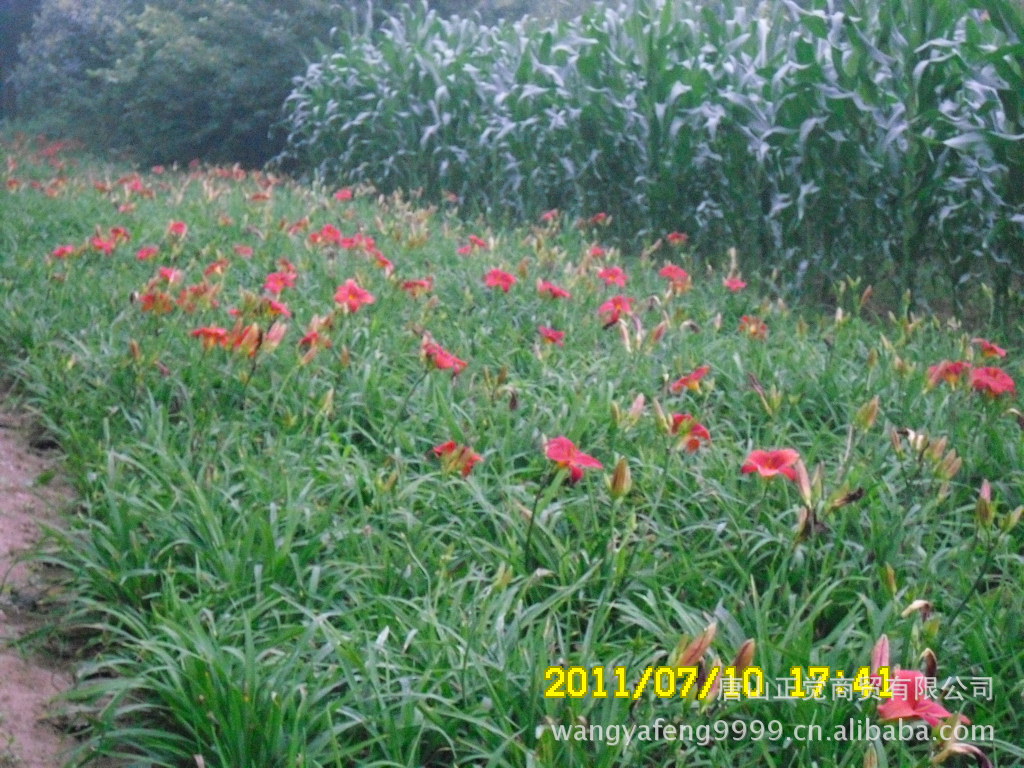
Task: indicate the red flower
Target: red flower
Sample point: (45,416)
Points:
(177,229)
(457,457)
(171,275)
(679,279)
(596,251)
(551,215)
(677,238)
(343,194)
(614,308)
(908,687)
(244,251)
(734,284)
(770,463)
(497,278)
(613,276)
(948,371)
(106,247)
(552,336)
(442,358)
(690,430)
(278,281)
(567,456)
(598,219)
(418,287)
(754,327)
(63,251)
(352,296)
(690,381)
(275,307)
(216,267)
(211,336)
(157,302)
(992,381)
(988,349)
(474,243)
(544,288)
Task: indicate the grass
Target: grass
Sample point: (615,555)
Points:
(275,567)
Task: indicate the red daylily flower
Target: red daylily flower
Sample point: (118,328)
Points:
(544,288)
(948,371)
(734,284)
(244,338)
(690,430)
(352,296)
(679,279)
(596,252)
(614,308)
(177,229)
(690,381)
(498,278)
(771,463)
(104,246)
(198,296)
(457,457)
(216,267)
(551,215)
(909,700)
(598,219)
(278,281)
(245,251)
(988,349)
(677,238)
(63,251)
(171,275)
(157,302)
(992,381)
(474,243)
(613,276)
(551,336)
(566,455)
(343,194)
(211,336)
(418,287)
(754,327)
(442,358)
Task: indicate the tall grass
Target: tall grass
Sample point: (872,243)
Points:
(822,139)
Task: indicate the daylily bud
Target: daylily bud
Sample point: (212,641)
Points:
(867,414)
(1011,520)
(803,482)
(880,654)
(871,758)
(689,652)
(624,333)
(621,481)
(716,684)
(872,361)
(984,509)
(636,410)
(744,657)
(865,297)
(135,350)
(923,606)
(890,579)
(930,662)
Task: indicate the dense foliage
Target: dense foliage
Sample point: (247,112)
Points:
(823,138)
(351,475)
(170,80)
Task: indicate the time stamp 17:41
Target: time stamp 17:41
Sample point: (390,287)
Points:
(576,682)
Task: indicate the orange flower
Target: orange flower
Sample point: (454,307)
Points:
(992,381)
(566,455)
(771,463)
(498,278)
(211,336)
(691,380)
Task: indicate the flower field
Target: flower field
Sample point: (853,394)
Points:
(353,475)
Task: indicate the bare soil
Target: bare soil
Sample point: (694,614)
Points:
(31,495)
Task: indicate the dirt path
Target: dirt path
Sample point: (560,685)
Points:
(30,494)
